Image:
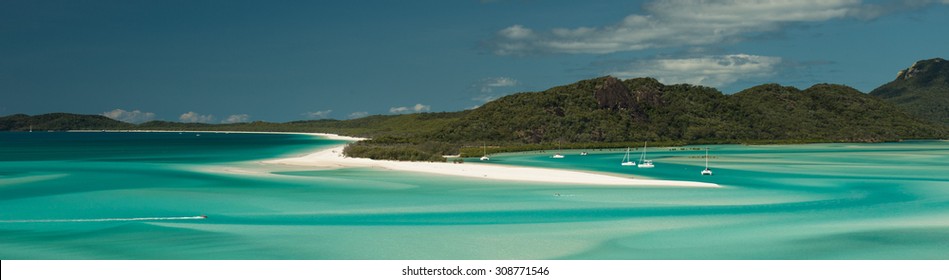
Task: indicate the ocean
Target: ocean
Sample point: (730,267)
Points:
(103,195)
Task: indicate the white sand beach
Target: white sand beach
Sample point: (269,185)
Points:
(333,158)
(323,135)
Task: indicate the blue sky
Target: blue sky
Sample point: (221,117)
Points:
(235,61)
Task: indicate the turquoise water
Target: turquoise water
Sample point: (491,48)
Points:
(137,196)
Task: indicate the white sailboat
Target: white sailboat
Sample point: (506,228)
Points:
(643,162)
(706,171)
(627,161)
(484,151)
(559,151)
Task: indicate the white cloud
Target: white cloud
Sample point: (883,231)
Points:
(356,115)
(516,32)
(486,88)
(713,71)
(318,114)
(681,23)
(135,116)
(239,118)
(488,85)
(485,98)
(192,117)
(414,109)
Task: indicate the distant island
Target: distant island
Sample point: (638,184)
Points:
(921,89)
(608,112)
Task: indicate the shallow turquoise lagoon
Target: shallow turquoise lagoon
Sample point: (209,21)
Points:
(137,196)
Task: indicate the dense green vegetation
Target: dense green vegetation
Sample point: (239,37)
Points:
(645,110)
(598,113)
(405,149)
(59,122)
(372,126)
(922,90)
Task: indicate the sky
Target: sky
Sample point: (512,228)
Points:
(238,61)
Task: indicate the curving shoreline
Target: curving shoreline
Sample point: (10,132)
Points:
(324,135)
(334,158)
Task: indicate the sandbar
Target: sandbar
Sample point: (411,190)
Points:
(333,158)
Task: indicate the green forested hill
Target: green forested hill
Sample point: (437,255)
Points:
(601,112)
(922,90)
(59,121)
(608,110)
(371,126)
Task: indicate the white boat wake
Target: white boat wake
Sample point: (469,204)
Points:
(199,217)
